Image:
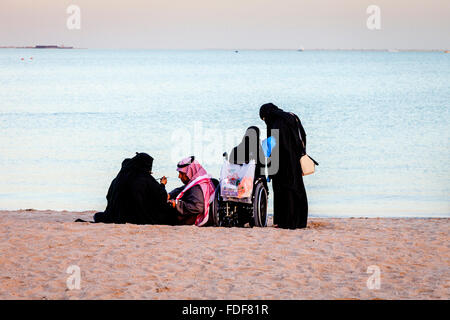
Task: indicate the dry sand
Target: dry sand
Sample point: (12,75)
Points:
(328,260)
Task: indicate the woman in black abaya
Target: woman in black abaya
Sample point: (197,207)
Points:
(135,196)
(290,201)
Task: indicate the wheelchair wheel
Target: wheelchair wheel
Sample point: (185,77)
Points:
(214,206)
(260,205)
(216,212)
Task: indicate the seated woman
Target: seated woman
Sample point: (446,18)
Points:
(190,202)
(249,149)
(135,196)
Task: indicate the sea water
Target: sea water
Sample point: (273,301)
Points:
(377,122)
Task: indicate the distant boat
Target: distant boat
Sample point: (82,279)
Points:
(301,49)
(392,50)
(51,47)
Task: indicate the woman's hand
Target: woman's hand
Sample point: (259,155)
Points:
(163,180)
(172,203)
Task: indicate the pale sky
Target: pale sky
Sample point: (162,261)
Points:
(228,24)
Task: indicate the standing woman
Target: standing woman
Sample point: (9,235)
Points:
(290,201)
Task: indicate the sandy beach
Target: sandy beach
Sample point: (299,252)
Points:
(328,260)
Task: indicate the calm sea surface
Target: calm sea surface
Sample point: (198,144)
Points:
(377,122)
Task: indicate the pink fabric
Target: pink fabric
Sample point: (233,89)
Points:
(198,176)
(193,170)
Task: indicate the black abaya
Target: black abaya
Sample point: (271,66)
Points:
(134,196)
(290,200)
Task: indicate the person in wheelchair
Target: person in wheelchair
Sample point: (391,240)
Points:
(190,202)
(235,212)
(249,149)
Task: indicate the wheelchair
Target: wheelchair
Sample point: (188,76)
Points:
(235,212)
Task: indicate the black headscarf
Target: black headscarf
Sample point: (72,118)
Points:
(249,149)
(141,162)
(270,113)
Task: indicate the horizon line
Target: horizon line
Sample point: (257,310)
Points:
(231,49)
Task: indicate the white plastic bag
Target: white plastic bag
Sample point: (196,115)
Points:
(236,181)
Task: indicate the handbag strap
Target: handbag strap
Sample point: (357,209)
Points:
(300,136)
(299,133)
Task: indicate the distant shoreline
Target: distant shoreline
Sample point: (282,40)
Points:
(39,47)
(234,50)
